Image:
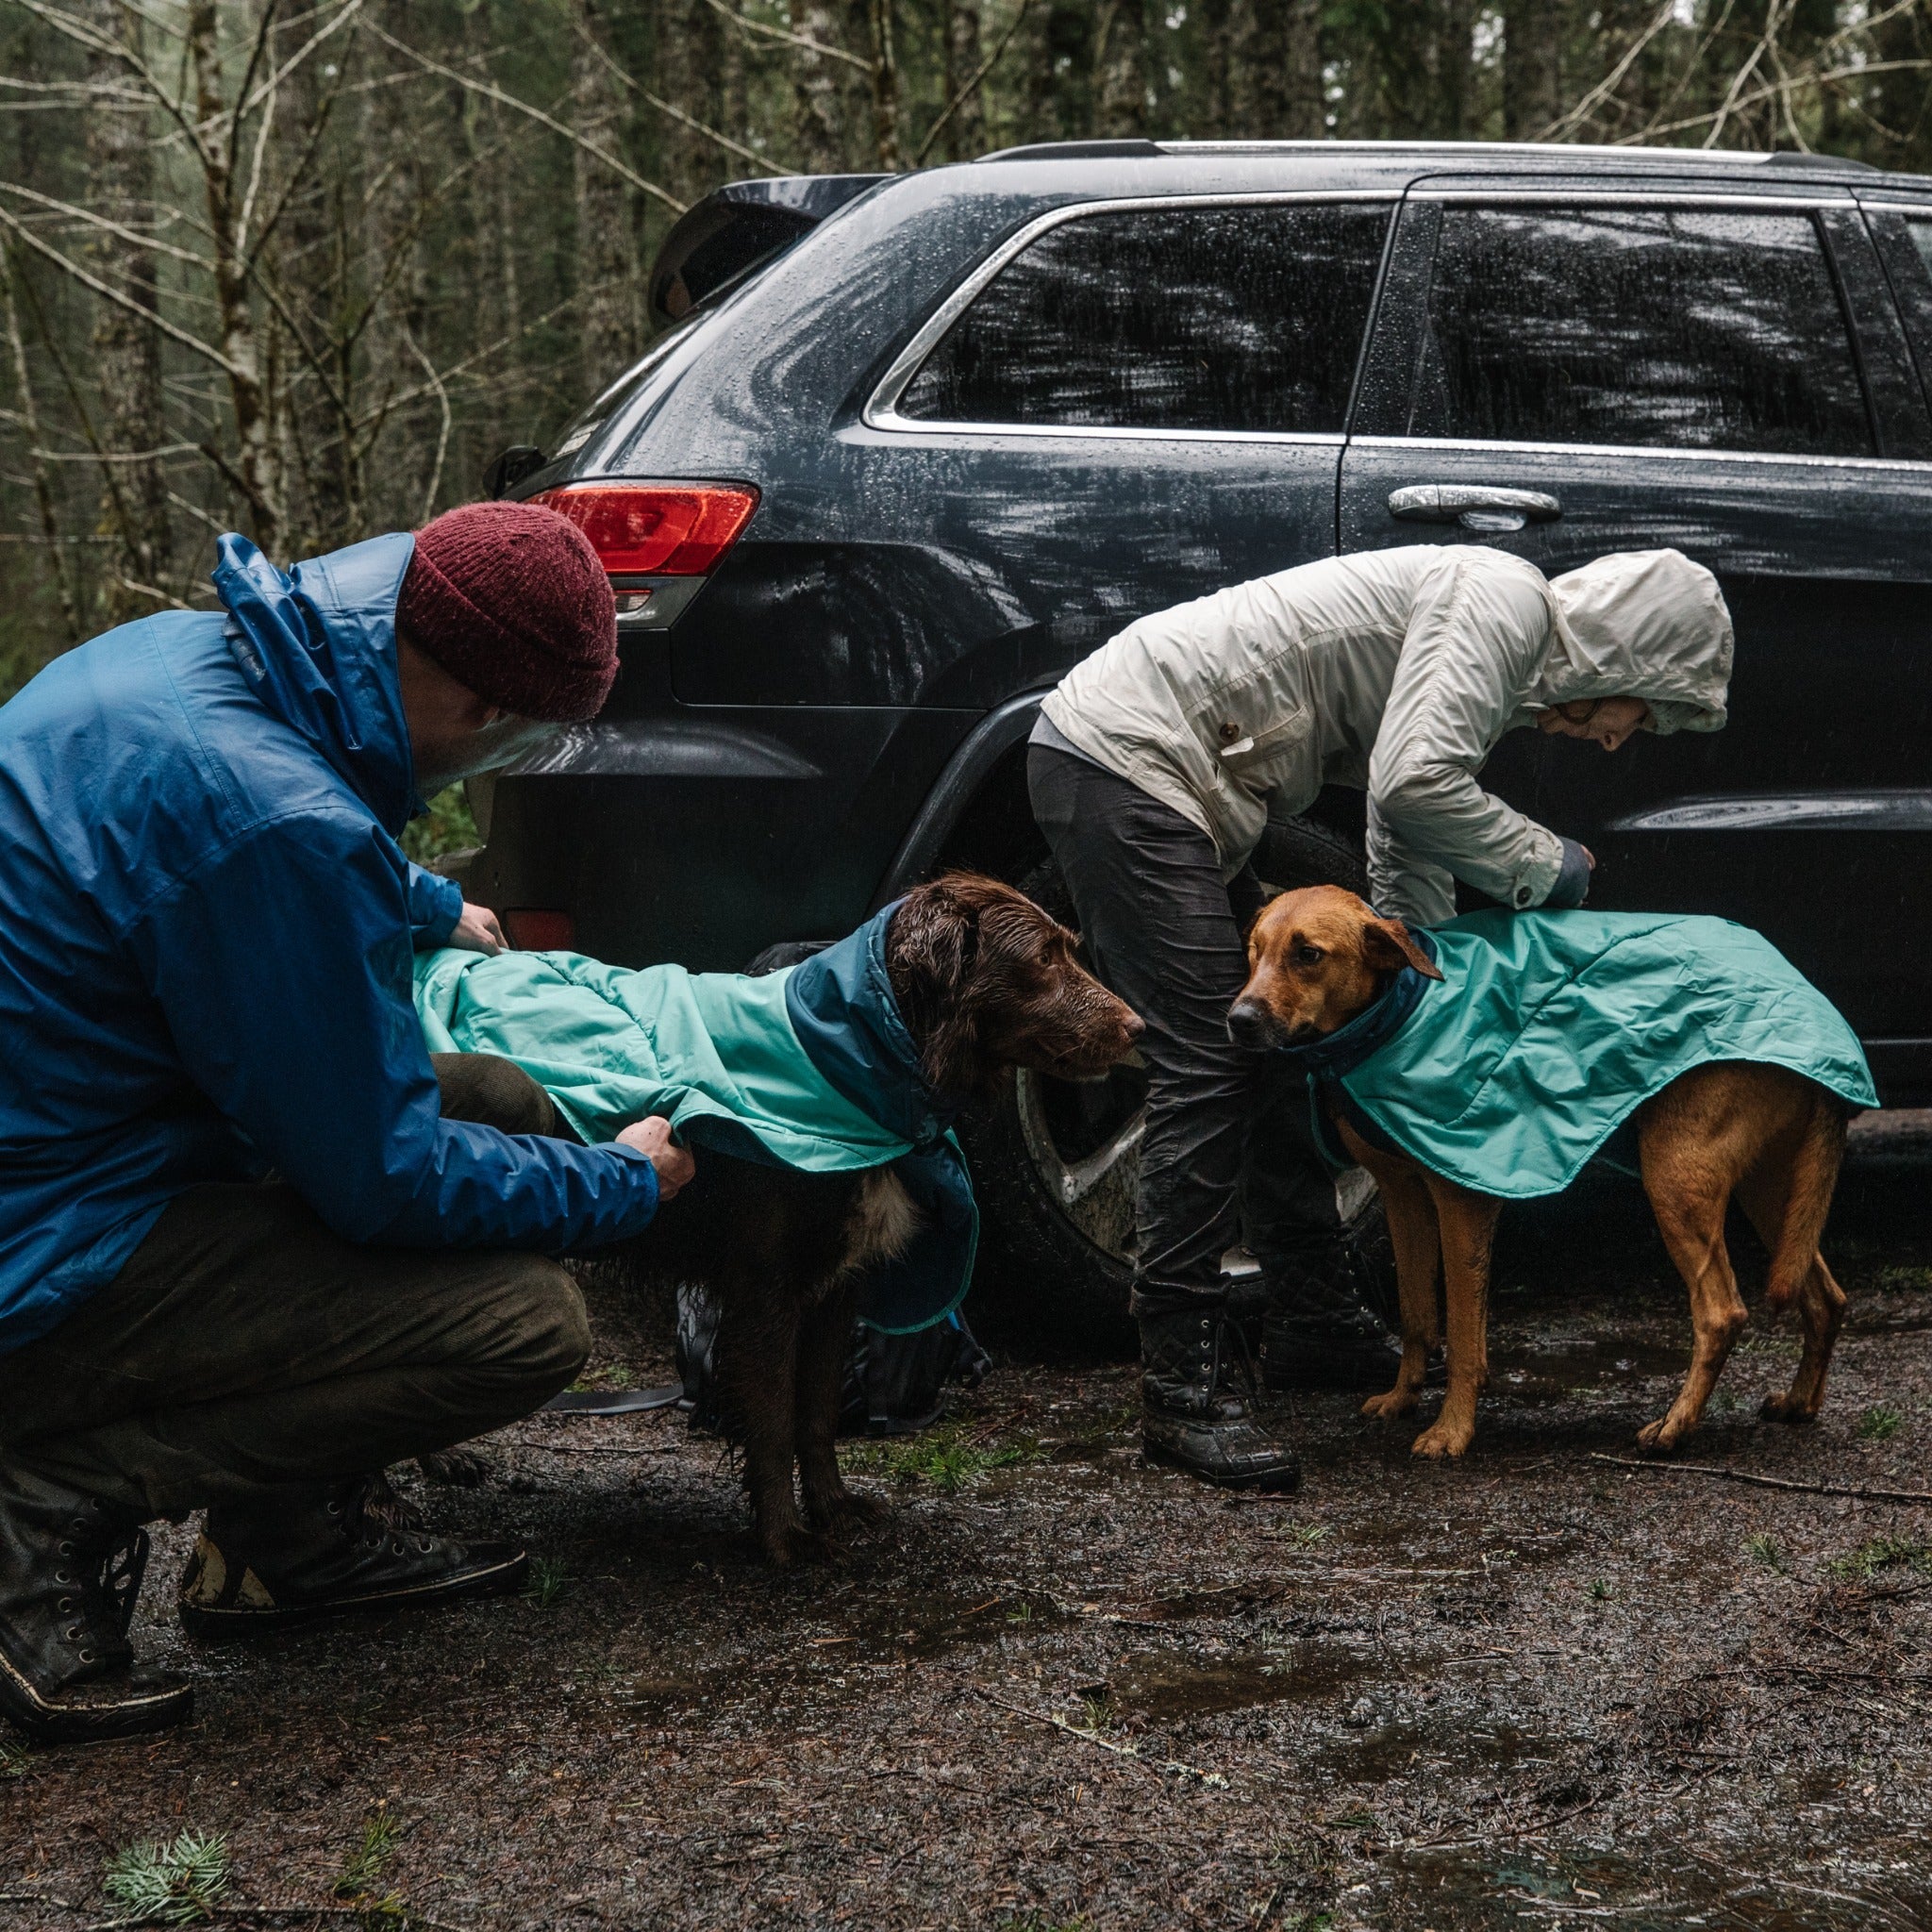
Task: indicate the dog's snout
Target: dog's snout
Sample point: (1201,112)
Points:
(1250,1024)
(1132,1026)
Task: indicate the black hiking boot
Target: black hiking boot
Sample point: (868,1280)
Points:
(1193,1416)
(70,1572)
(327,1551)
(1324,1327)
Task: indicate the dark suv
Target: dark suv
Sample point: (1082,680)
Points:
(914,444)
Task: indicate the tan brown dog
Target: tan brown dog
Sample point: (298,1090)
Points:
(1318,958)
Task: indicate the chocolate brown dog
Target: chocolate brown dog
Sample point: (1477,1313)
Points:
(1319,958)
(985,982)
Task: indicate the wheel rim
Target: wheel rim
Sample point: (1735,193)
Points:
(1084,1141)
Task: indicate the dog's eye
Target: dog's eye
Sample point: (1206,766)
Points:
(1307,956)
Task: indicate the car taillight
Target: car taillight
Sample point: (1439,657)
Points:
(656,529)
(532,929)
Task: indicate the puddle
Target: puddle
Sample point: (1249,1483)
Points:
(1455,1890)
(1171,1685)
(1401,1749)
(1587,1367)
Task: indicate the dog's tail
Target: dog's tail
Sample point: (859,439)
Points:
(1807,1200)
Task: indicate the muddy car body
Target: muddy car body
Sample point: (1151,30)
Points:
(983,416)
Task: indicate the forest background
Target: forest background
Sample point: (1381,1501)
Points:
(300,270)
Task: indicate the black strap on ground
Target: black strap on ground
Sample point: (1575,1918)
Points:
(614,1401)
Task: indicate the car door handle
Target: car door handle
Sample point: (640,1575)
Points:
(1475,506)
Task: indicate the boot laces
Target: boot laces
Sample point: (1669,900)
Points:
(375,1514)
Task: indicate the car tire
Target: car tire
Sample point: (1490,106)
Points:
(1055,1165)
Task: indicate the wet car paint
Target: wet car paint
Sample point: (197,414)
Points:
(763,767)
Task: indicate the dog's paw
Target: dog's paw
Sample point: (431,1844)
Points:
(1787,1409)
(847,1515)
(460,1467)
(1442,1441)
(1660,1436)
(1385,1408)
(793,1545)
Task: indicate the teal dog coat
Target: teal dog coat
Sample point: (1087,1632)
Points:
(810,1068)
(1548,1031)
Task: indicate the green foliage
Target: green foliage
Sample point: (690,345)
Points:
(944,1457)
(1880,1553)
(548,1582)
(1099,1714)
(169,1884)
(449,825)
(1901,1280)
(1879,1424)
(1599,1590)
(14,1759)
(1767,1550)
(366,1863)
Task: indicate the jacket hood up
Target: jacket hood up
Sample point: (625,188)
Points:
(1643,624)
(317,647)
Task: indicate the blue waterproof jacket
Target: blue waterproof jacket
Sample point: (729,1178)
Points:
(198,823)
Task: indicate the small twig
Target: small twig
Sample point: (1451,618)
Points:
(1153,1765)
(1766,1482)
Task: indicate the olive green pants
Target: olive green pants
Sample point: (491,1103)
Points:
(244,1346)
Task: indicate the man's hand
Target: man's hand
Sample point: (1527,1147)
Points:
(478,931)
(652,1137)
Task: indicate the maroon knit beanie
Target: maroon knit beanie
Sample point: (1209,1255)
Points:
(512,602)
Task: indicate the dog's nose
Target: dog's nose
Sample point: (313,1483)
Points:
(1250,1024)
(1132,1025)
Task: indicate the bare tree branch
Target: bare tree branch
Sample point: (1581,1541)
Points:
(75,212)
(491,92)
(100,287)
(966,87)
(790,40)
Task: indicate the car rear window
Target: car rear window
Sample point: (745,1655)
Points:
(1244,318)
(1657,327)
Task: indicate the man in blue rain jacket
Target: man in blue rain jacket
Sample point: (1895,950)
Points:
(236,1275)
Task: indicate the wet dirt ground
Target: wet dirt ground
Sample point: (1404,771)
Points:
(1537,1689)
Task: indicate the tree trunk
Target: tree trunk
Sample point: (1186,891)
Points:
(256,471)
(1278,81)
(820,115)
(1532,67)
(607,261)
(58,562)
(966,131)
(1119,69)
(128,351)
(310,261)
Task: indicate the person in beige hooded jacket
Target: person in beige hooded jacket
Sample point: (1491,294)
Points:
(1157,764)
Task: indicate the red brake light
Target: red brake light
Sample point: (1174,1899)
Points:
(530,930)
(656,529)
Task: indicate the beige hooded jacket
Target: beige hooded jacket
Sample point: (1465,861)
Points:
(1396,671)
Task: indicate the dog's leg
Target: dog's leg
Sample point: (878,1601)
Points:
(1468,1224)
(1695,1144)
(824,1343)
(1787,1201)
(1418,1250)
(757,1368)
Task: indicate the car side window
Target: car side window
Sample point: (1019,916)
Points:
(1657,328)
(1921,232)
(1242,318)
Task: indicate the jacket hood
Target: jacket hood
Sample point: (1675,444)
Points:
(317,647)
(1643,624)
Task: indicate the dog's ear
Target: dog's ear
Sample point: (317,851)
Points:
(1389,946)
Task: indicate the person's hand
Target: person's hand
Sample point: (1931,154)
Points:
(478,931)
(651,1137)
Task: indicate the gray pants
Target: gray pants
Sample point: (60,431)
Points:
(1227,1154)
(244,1346)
